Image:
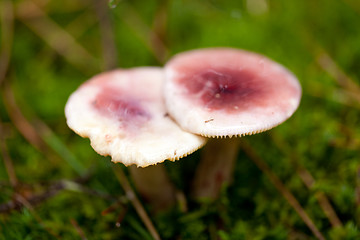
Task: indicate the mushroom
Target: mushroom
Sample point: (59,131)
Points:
(224,92)
(123,114)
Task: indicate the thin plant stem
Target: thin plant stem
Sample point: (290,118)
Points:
(57,37)
(308,180)
(125,184)
(7,32)
(78,229)
(274,179)
(28,205)
(151,182)
(9,166)
(50,192)
(19,120)
(107,35)
(346,82)
(324,202)
(146,34)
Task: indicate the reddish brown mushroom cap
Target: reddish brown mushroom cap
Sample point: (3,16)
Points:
(224,92)
(124,115)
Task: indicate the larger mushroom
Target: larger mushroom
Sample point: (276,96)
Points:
(124,115)
(224,92)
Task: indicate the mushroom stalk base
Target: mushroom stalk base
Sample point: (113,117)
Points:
(154,185)
(215,168)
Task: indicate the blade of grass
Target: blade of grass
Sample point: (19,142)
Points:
(28,205)
(56,37)
(329,65)
(324,202)
(135,201)
(19,120)
(43,138)
(68,7)
(34,199)
(107,35)
(7,31)
(9,166)
(59,147)
(353,4)
(159,27)
(350,89)
(146,34)
(307,179)
(80,25)
(357,191)
(281,188)
(143,233)
(335,95)
(78,229)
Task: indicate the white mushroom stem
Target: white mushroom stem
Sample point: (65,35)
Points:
(154,185)
(215,169)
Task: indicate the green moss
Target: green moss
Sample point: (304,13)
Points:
(323,136)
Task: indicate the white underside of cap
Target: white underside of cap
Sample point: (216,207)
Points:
(146,142)
(195,117)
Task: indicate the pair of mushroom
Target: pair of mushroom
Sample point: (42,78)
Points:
(146,115)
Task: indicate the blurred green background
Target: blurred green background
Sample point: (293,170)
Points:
(54,186)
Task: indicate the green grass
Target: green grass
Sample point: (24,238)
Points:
(322,137)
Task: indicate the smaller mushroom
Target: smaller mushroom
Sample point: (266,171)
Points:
(123,114)
(224,92)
